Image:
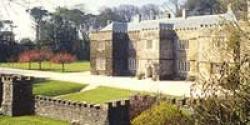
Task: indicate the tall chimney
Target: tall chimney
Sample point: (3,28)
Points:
(109,22)
(137,18)
(229,8)
(184,13)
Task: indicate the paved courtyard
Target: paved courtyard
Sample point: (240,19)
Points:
(176,88)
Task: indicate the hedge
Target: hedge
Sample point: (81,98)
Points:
(163,114)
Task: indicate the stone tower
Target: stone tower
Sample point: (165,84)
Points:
(17,96)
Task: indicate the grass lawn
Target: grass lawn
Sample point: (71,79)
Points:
(47,66)
(29,120)
(99,95)
(55,88)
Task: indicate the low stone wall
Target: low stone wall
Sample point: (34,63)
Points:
(17,99)
(140,103)
(114,113)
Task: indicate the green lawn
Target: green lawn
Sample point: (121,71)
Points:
(99,95)
(29,120)
(55,88)
(47,66)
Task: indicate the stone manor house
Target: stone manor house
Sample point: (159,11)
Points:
(169,48)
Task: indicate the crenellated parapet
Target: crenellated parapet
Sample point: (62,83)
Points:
(15,79)
(119,103)
(52,101)
(112,113)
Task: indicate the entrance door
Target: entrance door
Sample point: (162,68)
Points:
(149,72)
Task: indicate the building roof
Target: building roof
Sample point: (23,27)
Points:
(172,23)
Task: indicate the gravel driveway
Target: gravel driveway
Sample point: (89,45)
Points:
(176,88)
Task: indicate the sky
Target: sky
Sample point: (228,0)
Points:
(90,5)
(25,26)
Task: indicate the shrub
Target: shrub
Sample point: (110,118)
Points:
(162,114)
(35,56)
(63,58)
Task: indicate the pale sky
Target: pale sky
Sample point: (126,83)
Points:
(92,5)
(16,10)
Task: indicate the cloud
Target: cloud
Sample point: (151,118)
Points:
(16,10)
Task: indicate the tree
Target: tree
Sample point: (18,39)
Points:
(149,11)
(177,6)
(201,7)
(40,56)
(38,13)
(26,44)
(27,57)
(108,14)
(63,58)
(64,30)
(226,93)
(126,12)
(35,56)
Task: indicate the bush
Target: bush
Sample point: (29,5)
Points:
(63,58)
(162,114)
(35,56)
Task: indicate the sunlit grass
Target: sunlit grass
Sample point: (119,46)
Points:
(48,66)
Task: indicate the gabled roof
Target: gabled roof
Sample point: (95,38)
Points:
(173,23)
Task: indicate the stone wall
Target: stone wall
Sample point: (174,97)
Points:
(140,103)
(114,113)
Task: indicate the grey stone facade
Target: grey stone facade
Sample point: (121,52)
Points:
(162,49)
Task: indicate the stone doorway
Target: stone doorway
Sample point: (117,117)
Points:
(1,93)
(149,72)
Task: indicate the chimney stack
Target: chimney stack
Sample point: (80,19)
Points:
(109,22)
(137,18)
(229,8)
(184,13)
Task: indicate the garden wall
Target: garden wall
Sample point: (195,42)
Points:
(17,100)
(114,113)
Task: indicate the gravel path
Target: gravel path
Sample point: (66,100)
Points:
(176,88)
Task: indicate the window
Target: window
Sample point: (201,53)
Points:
(187,66)
(100,64)
(183,44)
(131,46)
(132,64)
(149,44)
(184,66)
(218,41)
(216,68)
(101,45)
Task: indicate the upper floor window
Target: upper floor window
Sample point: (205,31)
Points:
(218,41)
(215,68)
(183,44)
(184,65)
(149,44)
(100,45)
(132,64)
(100,64)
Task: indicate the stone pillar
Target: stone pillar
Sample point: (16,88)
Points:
(1,91)
(17,96)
